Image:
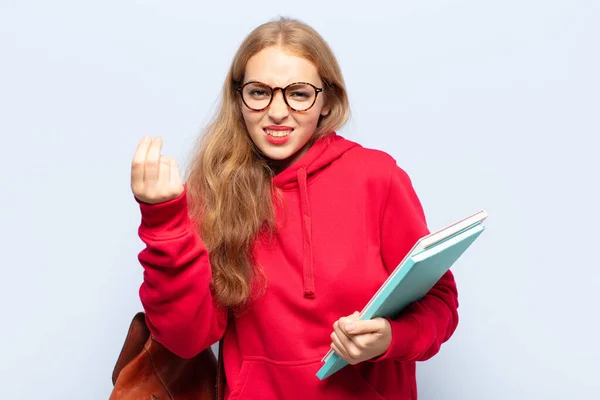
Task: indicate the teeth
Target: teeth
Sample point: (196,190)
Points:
(277,133)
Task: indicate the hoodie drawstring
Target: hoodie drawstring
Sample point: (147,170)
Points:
(307,256)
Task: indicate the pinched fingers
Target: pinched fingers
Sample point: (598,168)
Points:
(154,177)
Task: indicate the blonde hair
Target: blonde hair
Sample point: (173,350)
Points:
(229,182)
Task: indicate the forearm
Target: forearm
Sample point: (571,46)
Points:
(180,309)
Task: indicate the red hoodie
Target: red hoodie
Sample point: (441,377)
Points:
(350,215)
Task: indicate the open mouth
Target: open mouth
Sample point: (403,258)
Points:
(278,133)
(278,136)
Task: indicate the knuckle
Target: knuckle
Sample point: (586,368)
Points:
(152,157)
(137,164)
(149,164)
(354,353)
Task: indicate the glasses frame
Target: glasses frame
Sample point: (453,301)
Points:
(274,89)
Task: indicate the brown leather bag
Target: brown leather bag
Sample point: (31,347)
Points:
(146,370)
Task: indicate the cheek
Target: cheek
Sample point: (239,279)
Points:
(251,119)
(309,120)
(314,114)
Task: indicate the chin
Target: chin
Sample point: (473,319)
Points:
(278,155)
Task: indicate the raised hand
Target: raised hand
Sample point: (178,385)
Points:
(154,177)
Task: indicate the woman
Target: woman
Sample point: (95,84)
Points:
(301,226)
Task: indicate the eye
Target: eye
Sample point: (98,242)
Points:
(258,93)
(300,95)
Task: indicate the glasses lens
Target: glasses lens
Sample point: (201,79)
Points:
(300,96)
(256,95)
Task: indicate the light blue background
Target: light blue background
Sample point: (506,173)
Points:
(486,104)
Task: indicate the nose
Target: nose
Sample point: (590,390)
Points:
(278,110)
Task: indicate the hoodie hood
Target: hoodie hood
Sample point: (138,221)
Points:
(322,153)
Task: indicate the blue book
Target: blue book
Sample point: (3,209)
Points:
(419,271)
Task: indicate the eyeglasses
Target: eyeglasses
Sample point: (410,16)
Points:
(299,96)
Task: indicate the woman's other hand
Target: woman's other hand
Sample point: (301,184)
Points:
(356,340)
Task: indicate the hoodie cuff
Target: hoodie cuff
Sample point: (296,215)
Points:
(405,340)
(164,220)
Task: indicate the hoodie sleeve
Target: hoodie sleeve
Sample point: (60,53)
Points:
(180,310)
(423,326)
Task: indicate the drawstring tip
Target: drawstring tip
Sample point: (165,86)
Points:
(309,294)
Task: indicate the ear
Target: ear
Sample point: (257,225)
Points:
(325,111)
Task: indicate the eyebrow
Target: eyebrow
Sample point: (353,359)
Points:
(289,83)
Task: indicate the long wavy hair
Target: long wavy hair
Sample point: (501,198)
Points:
(229,181)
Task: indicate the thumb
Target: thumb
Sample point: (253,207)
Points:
(359,327)
(348,321)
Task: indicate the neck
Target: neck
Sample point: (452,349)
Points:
(279,165)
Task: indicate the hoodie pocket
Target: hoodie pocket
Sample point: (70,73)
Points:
(264,379)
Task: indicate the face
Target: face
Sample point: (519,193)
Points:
(280,133)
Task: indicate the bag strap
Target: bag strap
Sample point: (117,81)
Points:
(221,365)
(220,373)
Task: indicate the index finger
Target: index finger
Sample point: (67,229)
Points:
(142,150)
(137,165)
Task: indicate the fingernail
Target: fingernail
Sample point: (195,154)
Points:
(350,327)
(146,139)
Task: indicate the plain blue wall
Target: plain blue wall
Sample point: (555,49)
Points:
(486,104)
